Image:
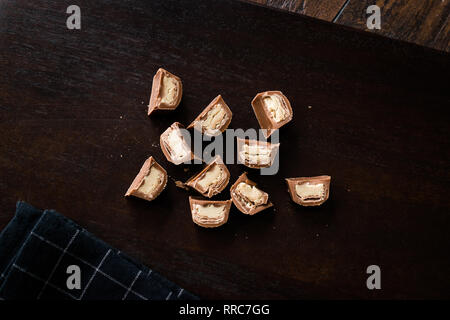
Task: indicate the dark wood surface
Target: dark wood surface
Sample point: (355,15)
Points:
(422,22)
(371,112)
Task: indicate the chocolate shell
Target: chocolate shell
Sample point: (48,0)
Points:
(240,202)
(148,184)
(215,213)
(260,160)
(167,90)
(172,152)
(273,110)
(309,191)
(215,167)
(211,122)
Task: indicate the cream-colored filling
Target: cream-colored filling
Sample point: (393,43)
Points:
(276,107)
(152,181)
(211,178)
(214,118)
(251,196)
(310,191)
(256,154)
(176,144)
(169,90)
(209,213)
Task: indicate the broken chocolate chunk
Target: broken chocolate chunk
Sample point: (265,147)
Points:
(309,191)
(150,181)
(209,213)
(256,154)
(214,119)
(247,197)
(273,110)
(174,145)
(166,91)
(212,179)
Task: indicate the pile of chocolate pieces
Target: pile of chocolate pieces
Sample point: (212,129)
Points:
(272,110)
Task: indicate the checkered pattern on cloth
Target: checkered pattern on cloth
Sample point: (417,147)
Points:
(37,247)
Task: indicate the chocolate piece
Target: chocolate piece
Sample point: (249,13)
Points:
(174,145)
(273,110)
(212,179)
(309,191)
(150,181)
(256,154)
(247,197)
(214,119)
(166,91)
(209,213)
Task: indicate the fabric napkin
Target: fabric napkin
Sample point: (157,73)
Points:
(38,248)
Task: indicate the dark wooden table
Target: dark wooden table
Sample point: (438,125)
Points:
(422,22)
(371,112)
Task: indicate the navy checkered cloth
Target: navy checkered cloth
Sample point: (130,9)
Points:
(37,247)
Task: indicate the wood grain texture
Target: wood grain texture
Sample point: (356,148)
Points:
(369,111)
(421,22)
(321,9)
